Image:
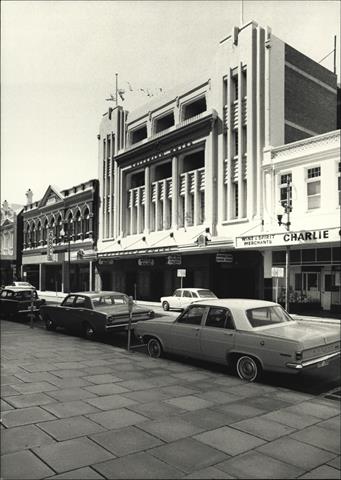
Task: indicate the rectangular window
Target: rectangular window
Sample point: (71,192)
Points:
(339,183)
(235,84)
(236,142)
(314,188)
(236,196)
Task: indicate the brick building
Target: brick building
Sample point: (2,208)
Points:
(182,176)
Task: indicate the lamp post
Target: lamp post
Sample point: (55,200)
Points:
(66,237)
(287,210)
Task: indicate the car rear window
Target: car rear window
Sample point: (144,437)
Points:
(206,294)
(103,300)
(262,316)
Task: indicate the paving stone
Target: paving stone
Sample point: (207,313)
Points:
(210,472)
(35,387)
(22,465)
(85,473)
(125,441)
(324,471)
(69,394)
(178,390)
(228,380)
(35,377)
(70,373)
(72,427)
(188,454)
(138,465)
(206,419)
(320,437)
(72,454)
(103,379)
(291,419)
(10,380)
(37,367)
(67,365)
(106,389)
(4,406)
(266,403)
(117,418)
(291,396)
(335,462)
(191,376)
(110,402)
(145,396)
(139,384)
(217,396)
(333,423)
(70,382)
(189,402)
(245,390)
(162,380)
(296,453)
(7,390)
(155,410)
(256,465)
(267,429)
(29,400)
(25,416)
(318,410)
(70,409)
(229,440)
(170,428)
(21,438)
(101,370)
(236,411)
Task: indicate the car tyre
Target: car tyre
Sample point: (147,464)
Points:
(165,306)
(49,324)
(248,368)
(89,331)
(154,348)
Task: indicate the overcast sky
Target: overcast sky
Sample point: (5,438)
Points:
(59,59)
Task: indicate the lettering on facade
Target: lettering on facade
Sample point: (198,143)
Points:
(145,262)
(224,258)
(315,235)
(174,260)
(287,238)
(49,246)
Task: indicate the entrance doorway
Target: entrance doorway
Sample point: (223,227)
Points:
(235,283)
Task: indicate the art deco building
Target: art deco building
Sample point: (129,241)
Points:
(183,176)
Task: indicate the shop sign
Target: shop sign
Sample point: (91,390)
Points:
(181,272)
(105,261)
(302,237)
(277,272)
(50,245)
(174,260)
(145,262)
(224,258)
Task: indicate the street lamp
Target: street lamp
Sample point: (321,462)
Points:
(287,210)
(66,237)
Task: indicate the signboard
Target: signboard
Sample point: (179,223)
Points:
(301,237)
(174,260)
(49,245)
(181,272)
(105,261)
(277,272)
(144,262)
(224,258)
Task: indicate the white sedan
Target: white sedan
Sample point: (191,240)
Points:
(182,297)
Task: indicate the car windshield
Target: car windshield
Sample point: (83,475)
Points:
(206,294)
(113,299)
(260,317)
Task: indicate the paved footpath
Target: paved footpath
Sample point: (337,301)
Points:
(77,409)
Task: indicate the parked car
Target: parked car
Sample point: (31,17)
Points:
(15,302)
(20,284)
(182,297)
(250,335)
(93,313)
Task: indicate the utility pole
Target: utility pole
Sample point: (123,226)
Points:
(335,54)
(287,210)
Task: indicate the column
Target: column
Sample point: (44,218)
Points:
(196,200)
(147,200)
(186,202)
(164,204)
(157,206)
(229,146)
(240,146)
(175,193)
(90,275)
(40,285)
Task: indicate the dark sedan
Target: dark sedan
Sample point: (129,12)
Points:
(15,302)
(93,313)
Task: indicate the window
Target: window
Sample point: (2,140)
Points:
(192,316)
(235,194)
(285,192)
(219,318)
(236,142)
(314,188)
(164,122)
(81,302)
(259,317)
(177,293)
(68,302)
(186,293)
(138,134)
(194,108)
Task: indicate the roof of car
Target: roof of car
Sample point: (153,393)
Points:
(97,294)
(239,303)
(16,288)
(192,289)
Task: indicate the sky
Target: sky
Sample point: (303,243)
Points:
(59,59)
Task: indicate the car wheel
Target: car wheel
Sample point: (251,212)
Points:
(165,306)
(49,324)
(89,331)
(154,348)
(248,368)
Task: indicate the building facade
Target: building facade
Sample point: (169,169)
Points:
(10,241)
(60,237)
(182,177)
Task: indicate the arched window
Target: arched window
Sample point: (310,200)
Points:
(86,225)
(45,228)
(53,228)
(33,235)
(78,226)
(59,225)
(27,235)
(38,234)
(69,230)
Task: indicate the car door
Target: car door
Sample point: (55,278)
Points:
(217,336)
(185,332)
(64,315)
(185,299)
(175,299)
(8,303)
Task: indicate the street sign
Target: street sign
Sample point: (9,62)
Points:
(277,272)
(174,260)
(224,258)
(145,262)
(181,272)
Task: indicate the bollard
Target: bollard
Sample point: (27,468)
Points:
(31,314)
(130,310)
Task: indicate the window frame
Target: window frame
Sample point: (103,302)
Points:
(179,321)
(311,177)
(227,312)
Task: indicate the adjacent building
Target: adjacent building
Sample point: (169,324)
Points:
(59,238)
(10,242)
(185,175)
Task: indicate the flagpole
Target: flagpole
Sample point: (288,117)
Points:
(116,95)
(241,13)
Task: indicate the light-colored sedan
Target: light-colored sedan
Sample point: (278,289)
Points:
(182,297)
(250,335)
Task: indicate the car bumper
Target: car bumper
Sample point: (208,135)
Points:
(316,362)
